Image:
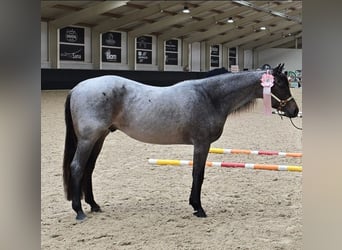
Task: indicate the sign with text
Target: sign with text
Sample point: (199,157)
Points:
(144,42)
(171,58)
(71,52)
(232,52)
(111,39)
(171,45)
(215,50)
(232,61)
(71,35)
(144,57)
(214,61)
(234,68)
(111,55)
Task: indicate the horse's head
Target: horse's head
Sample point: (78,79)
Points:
(282,99)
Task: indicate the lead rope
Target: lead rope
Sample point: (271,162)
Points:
(281,116)
(295,125)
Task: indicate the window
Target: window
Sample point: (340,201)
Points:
(232,57)
(111,47)
(171,52)
(144,50)
(215,56)
(71,44)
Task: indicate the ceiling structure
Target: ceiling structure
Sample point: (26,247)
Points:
(206,22)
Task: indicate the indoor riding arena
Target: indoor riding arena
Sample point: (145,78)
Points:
(253,195)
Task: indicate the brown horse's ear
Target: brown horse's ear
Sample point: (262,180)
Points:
(277,70)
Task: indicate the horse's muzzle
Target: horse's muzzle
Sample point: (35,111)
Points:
(290,109)
(294,113)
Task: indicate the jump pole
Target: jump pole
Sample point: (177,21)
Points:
(291,168)
(252,152)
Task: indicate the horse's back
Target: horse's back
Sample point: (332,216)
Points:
(101,83)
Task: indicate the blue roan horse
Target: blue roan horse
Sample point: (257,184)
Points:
(190,112)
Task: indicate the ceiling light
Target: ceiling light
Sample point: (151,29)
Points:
(230,20)
(262,28)
(186,9)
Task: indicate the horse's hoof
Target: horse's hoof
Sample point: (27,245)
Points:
(81,216)
(96,209)
(200,214)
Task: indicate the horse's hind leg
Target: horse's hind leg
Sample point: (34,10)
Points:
(200,157)
(78,164)
(87,179)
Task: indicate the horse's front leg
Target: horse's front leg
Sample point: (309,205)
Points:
(199,160)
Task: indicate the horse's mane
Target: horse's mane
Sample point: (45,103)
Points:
(246,107)
(215,72)
(218,73)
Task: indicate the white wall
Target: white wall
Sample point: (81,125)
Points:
(248,59)
(273,56)
(195,57)
(44,53)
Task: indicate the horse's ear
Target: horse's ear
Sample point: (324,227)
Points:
(277,70)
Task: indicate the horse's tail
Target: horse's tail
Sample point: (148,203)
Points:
(69,149)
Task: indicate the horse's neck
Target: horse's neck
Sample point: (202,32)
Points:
(232,92)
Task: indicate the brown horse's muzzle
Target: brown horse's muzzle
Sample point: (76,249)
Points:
(291,109)
(288,106)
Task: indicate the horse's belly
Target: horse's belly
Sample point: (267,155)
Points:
(155,138)
(159,124)
(155,135)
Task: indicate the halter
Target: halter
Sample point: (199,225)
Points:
(282,103)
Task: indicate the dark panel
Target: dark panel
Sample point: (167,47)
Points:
(215,50)
(144,42)
(111,39)
(71,52)
(111,55)
(71,35)
(171,58)
(171,45)
(68,78)
(144,57)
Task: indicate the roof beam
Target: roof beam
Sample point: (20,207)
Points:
(245,39)
(199,25)
(271,38)
(244,32)
(171,20)
(112,24)
(279,42)
(83,15)
(268,10)
(214,31)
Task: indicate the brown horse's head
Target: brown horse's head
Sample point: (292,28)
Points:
(282,99)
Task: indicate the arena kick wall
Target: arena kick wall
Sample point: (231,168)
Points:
(67,78)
